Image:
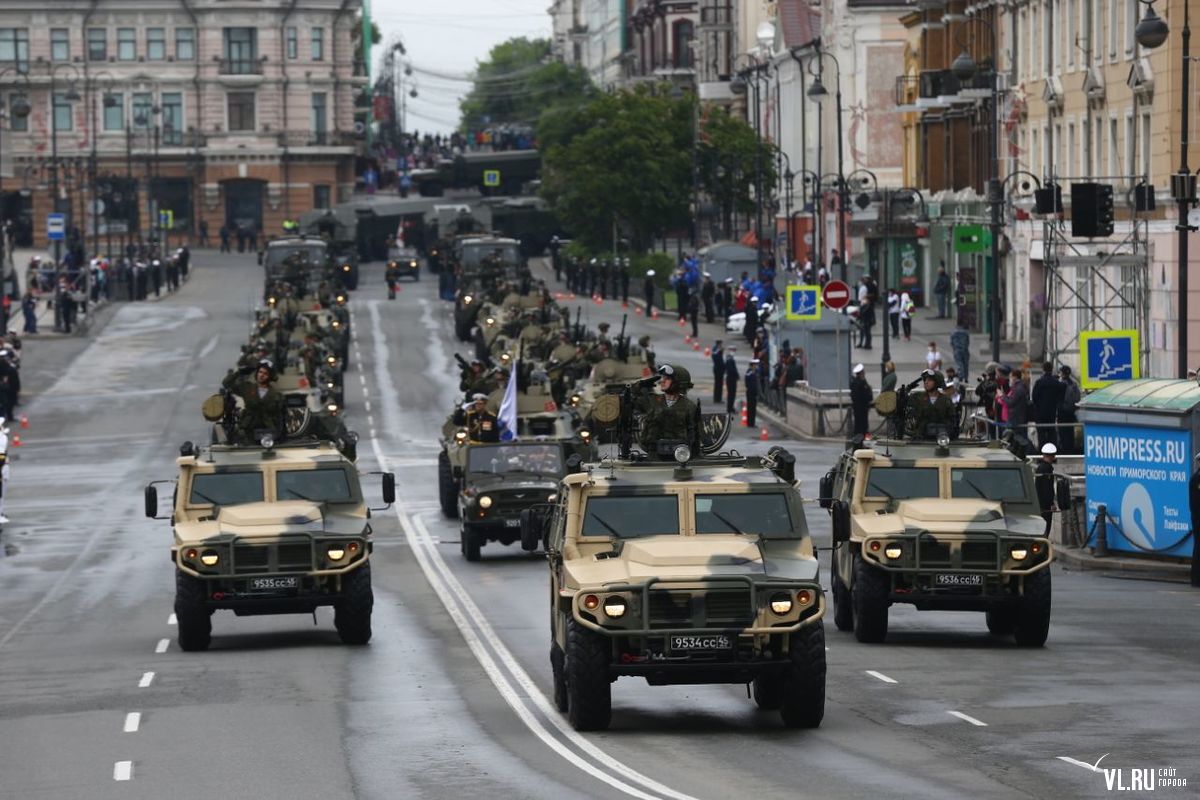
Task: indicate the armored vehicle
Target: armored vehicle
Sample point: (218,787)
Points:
(683,572)
(269,529)
(404,262)
(301,261)
(939,525)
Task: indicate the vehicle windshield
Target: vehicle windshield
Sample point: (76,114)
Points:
(761,514)
(226,488)
(902,483)
(316,485)
(474,254)
(631,517)
(544,459)
(308,255)
(1005,484)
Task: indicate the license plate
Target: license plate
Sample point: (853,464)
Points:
(958,580)
(270,584)
(691,643)
(512,523)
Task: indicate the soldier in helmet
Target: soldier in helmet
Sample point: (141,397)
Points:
(932,412)
(670,416)
(264,406)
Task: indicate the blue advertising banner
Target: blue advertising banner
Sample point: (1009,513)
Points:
(1141,475)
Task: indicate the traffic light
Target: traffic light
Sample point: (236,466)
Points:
(1048,200)
(1091,209)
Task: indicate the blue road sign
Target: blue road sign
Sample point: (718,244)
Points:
(491,177)
(1141,475)
(803,302)
(1107,356)
(56,227)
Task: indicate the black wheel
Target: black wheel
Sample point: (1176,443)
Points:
(352,612)
(192,617)
(558,667)
(1033,614)
(471,544)
(1001,621)
(869,598)
(843,610)
(804,682)
(589,691)
(447,487)
(768,691)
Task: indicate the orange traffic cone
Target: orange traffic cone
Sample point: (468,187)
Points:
(16,441)
(654,314)
(625,304)
(682,322)
(638,310)
(24,421)
(745,416)
(707,351)
(696,346)
(687,338)
(763,435)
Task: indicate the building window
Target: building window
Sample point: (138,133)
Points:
(1034,152)
(60,44)
(62,112)
(683,31)
(318,44)
(1114,159)
(320,127)
(1131,21)
(14,46)
(142,112)
(1071,164)
(293,43)
(1047,38)
(16,123)
(1130,138)
(1072,27)
(114,115)
(185,44)
(126,44)
(172,118)
(156,44)
(97,40)
(241,111)
(241,50)
(321,196)
(1145,170)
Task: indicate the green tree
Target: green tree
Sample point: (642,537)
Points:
(517,82)
(726,162)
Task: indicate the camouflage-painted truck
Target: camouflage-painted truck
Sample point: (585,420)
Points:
(697,571)
(937,525)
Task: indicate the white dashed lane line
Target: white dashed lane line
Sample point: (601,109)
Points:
(162,646)
(880,676)
(147,679)
(122,770)
(132,721)
(171,620)
(967,718)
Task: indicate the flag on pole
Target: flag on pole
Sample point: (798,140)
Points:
(508,406)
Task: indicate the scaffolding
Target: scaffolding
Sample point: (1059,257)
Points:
(1096,284)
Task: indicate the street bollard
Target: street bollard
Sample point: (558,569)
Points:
(1100,550)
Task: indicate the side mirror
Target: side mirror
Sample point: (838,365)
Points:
(826,490)
(389,487)
(151,496)
(841,522)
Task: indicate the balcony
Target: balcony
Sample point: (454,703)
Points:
(326,139)
(937,84)
(240,71)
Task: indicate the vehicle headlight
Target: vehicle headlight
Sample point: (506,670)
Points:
(467,300)
(893,551)
(209,558)
(614,607)
(460,436)
(341,298)
(943,440)
(585,435)
(1019,553)
(491,321)
(412,264)
(781,604)
(336,552)
(331,360)
(331,408)
(393,264)
(804,597)
(575,399)
(552,498)
(345,267)
(683,454)
(485,502)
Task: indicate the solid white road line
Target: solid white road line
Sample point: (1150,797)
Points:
(967,718)
(881,676)
(162,645)
(132,720)
(122,770)
(147,679)
(1089,767)
(171,620)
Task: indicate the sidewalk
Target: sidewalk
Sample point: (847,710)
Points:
(1123,566)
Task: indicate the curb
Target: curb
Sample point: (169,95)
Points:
(1118,566)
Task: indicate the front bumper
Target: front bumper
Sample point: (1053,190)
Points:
(238,595)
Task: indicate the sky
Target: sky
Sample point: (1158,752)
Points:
(449,38)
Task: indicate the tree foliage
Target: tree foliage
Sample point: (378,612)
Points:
(517,82)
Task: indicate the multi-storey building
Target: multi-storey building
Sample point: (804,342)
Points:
(664,32)
(231,112)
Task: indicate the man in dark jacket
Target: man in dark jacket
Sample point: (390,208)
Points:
(1066,412)
(718,366)
(751,329)
(694,314)
(1047,397)
(1016,400)
(1043,481)
(731,379)
(751,379)
(725,299)
(860,400)
(708,292)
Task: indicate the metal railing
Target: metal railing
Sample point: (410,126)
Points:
(240,66)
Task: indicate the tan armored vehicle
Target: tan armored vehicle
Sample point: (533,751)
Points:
(947,526)
(683,573)
(269,530)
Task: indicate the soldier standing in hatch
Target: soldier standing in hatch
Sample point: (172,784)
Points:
(670,416)
(931,408)
(264,406)
(481,424)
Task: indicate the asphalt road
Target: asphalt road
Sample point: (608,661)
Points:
(450,698)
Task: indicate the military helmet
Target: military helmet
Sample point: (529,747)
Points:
(681,377)
(938,379)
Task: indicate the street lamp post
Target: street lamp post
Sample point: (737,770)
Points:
(71,96)
(817,91)
(109,102)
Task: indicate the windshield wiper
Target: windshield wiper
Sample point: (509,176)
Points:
(302,496)
(736,529)
(611,529)
(978,492)
(204,497)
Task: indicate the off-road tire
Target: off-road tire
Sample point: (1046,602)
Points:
(447,487)
(352,611)
(558,669)
(193,619)
(843,609)
(1001,621)
(471,543)
(869,599)
(768,691)
(589,691)
(804,682)
(1033,614)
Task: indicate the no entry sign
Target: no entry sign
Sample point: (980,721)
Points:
(836,295)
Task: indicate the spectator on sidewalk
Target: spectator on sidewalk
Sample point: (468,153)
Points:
(888,384)
(751,326)
(866,321)
(860,400)
(907,307)
(960,344)
(731,378)
(933,358)
(893,306)
(224,234)
(3,467)
(941,290)
(1048,393)
(1067,411)
(1015,400)
(725,299)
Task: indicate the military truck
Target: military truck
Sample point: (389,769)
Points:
(939,525)
(269,529)
(685,572)
(301,261)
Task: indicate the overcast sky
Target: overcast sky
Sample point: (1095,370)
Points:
(450,37)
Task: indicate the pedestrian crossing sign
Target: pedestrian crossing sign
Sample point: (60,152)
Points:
(1108,356)
(803,303)
(166,219)
(491,177)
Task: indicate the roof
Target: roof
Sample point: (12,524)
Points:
(309,452)
(729,471)
(966,450)
(801,22)
(1174,395)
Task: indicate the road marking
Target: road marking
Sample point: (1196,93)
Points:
(366,391)
(967,718)
(122,770)
(362,378)
(1090,767)
(171,620)
(147,679)
(162,646)
(208,348)
(880,676)
(367,405)
(132,720)
(468,617)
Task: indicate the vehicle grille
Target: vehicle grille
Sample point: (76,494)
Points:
(511,503)
(253,558)
(932,553)
(722,608)
(979,555)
